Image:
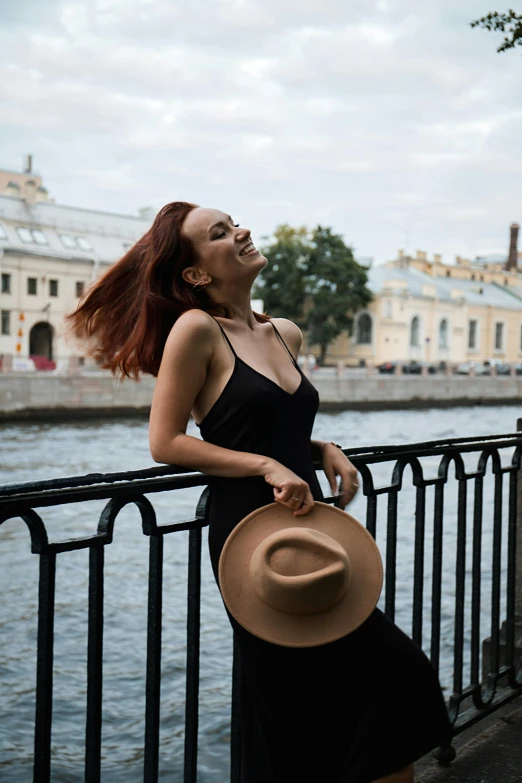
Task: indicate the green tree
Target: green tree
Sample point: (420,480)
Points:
(510,23)
(282,283)
(336,285)
(313,279)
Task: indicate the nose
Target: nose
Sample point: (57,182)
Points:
(243,232)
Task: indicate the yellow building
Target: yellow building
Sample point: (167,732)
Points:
(428,311)
(48,254)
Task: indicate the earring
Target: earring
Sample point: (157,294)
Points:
(201,282)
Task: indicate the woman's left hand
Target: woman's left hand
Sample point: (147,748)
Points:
(335,463)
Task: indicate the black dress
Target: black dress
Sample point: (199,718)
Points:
(346,712)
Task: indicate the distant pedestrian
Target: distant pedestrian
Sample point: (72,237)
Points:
(311,363)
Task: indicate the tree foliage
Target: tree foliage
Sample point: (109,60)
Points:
(510,23)
(282,284)
(313,278)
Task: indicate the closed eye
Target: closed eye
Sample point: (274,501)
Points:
(224,233)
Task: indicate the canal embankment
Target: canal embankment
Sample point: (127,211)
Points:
(489,752)
(91,395)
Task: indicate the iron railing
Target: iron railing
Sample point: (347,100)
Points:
(470,700)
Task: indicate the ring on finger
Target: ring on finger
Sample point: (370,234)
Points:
(294,497)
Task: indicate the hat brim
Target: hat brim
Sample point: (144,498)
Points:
(292,630)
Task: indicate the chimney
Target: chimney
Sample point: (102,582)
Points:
(28,164)
(30,191)
(512,261)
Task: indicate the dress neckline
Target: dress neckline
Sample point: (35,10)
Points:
(290,394)
(237,362)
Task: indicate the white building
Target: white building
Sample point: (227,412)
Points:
(48,254)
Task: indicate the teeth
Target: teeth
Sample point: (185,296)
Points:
(247,249)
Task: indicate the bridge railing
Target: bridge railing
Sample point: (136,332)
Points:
(477,584)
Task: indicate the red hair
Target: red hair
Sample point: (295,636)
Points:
(128,313)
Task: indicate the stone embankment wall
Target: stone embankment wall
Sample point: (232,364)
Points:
(92,395)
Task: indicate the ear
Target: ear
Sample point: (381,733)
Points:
(192,274)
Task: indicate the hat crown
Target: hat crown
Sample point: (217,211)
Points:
(300,570)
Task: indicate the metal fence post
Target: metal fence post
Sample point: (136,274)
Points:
(487,651)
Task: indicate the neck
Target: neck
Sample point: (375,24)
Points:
(241,304)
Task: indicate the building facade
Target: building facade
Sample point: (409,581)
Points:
(425,310)
(49,253)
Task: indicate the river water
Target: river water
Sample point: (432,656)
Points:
(40,451)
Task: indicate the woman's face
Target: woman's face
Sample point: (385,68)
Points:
(224,251)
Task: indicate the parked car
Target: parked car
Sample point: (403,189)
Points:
(387,367)
(43,363)
(415,368)
(408,368)
(502,368)
(479,368)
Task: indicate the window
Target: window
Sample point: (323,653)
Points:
(31,285)
(388,309)
(364,329)
(53,287)
(499,336)
(83,243)
(39,236)
(414,331)
(472,335)
(67,241)
(6,283)
(80,287)
(443,334)
(25,235)
(6,322)
(29,236)
(3,232)
(448,273)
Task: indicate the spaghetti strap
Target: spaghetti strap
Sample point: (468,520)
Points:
(225,336)
(286,346)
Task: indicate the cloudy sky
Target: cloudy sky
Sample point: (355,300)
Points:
(390,120)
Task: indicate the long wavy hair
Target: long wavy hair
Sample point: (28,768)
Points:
(126,315)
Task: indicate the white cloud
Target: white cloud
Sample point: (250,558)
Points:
(388,120)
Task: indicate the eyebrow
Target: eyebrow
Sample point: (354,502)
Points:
(219,223)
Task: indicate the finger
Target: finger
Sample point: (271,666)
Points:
(350,481)
(332,480)
(292,501)
(296,500)
(308,504)
(283,493)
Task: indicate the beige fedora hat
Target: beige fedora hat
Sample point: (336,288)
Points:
(300,581)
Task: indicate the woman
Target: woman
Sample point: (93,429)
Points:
(357,710)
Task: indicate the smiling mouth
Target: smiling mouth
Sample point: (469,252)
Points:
(248,250)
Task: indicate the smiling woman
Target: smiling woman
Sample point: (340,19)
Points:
(179,306)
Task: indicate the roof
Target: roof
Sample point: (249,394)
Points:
(414,281)
(106,233)
(494,258)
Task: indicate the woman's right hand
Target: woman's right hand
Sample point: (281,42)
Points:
(289,489)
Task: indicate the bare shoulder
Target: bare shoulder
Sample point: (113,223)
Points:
(194,328)
(290,333)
